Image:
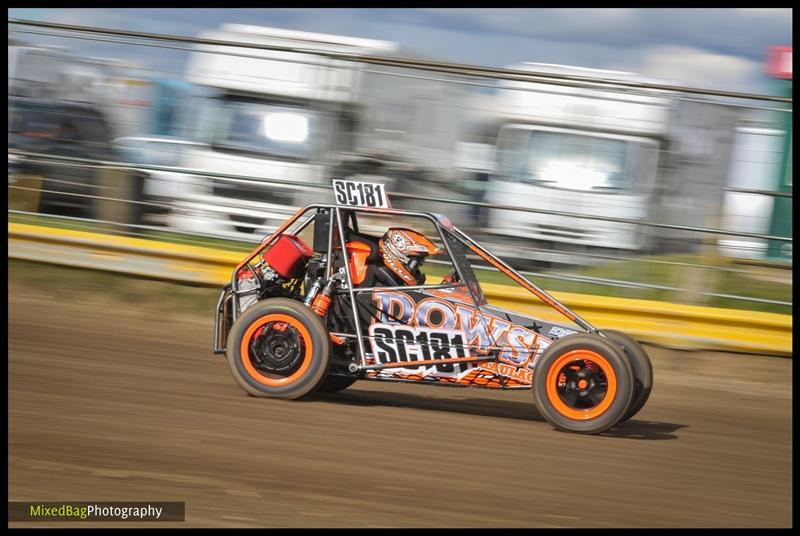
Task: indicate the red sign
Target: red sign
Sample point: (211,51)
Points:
(779,62)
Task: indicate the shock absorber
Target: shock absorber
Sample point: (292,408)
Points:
(313,291)
(323,300)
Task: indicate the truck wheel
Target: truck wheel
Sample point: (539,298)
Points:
(641,366)
(279,349)
(334,384)
(582,384)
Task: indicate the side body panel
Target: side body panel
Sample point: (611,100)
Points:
(431,325)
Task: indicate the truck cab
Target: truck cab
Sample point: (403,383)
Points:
(600,153)
(294,119)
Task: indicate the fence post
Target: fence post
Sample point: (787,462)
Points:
(122,186)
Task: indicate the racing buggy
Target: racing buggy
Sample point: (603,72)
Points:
(356,305)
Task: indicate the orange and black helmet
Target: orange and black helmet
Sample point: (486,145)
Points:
(403,251)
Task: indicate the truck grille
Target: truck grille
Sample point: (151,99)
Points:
(251,223)
(559,231)
(255,193)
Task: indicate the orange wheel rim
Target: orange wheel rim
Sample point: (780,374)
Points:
(284,322)
(581,384)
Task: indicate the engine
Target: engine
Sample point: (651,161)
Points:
(279,273)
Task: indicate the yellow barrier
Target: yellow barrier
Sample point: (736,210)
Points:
(137,256)
(675,325)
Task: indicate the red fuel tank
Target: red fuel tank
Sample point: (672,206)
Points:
(288,255)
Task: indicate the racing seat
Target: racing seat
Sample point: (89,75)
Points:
(365,263)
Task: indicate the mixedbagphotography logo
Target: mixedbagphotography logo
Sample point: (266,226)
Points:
(96,511)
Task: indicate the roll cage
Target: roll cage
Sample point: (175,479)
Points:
(336,219)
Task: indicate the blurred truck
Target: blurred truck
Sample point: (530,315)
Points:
(605,153)
(55,73)
(64,104)
(301,117)
(58,128)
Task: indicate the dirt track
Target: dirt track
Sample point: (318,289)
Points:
(122,405)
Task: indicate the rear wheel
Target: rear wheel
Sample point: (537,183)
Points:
(582,384)
(278,348)
(641,367)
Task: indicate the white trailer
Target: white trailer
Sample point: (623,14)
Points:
(300,117)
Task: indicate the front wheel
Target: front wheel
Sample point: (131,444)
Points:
(279,349)
(582,384)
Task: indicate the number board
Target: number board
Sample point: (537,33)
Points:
(360,194)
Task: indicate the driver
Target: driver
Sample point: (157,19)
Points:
(403,252)
(394,261)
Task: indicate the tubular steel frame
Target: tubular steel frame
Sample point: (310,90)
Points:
(337,219)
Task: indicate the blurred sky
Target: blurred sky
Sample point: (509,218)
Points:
(717,48)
